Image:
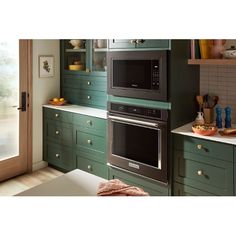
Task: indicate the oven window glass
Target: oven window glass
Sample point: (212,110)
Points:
(136,143)
(132,74)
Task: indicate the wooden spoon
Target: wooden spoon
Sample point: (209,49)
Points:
(200,101)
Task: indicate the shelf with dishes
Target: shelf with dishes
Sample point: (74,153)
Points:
(212,61)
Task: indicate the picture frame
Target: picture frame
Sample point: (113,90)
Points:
(46,66)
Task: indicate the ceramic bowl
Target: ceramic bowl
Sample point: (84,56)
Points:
(229,53)
(76,67)
(206,130)
(76,43)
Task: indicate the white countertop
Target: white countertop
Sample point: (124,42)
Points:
(81,110)
(187,130)
(74,183)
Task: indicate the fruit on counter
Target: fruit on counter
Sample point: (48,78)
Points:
(55,99)
(205,129)
(61,99)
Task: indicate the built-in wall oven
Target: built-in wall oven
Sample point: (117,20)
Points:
(140,74)
(138,140)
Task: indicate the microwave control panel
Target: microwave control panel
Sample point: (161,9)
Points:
(155,75)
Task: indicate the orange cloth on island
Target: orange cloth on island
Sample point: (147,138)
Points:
(115,187)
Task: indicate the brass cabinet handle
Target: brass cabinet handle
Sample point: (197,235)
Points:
(89,141)
(133,41)
(57,155)
(89,122)
(89,83)
(89,167)
(89,97)
(200,173)
(199,146)
(56,115)
(57,132)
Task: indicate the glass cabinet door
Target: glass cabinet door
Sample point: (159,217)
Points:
(75,55)
(99,50)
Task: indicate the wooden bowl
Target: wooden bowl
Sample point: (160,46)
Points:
(59,103)
(205,130)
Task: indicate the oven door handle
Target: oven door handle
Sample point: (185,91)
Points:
(139,122)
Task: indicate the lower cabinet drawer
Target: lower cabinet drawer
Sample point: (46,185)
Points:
(92,167)
(203,173)
(185,190)
(59,156)
(152,187)
(89,141)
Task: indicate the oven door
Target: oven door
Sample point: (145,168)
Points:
(139,146)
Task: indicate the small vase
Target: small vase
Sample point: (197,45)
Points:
(217,48)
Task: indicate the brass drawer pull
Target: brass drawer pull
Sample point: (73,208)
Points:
(89,141)
(56,115)
(200,173)
(89,122)
(57,132)
(89,167)
(89,83)
(57,155)
(89,97)
(199,146)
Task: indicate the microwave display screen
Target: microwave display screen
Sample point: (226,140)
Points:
(132,74)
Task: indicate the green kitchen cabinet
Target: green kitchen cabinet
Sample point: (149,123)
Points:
(87,84)
(74,140)
(58,139)
(154,188)
(139,44)
(202,165)
(90,144)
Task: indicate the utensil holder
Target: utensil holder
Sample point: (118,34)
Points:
(208,115)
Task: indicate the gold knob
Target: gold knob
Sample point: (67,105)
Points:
(89,122)
(57,155)
(199,146)
(89,83)
(200,172)
(89,97)
(57,132)
(89,167)
(89,141)
(56,115)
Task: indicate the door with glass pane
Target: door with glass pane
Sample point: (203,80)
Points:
(14,115)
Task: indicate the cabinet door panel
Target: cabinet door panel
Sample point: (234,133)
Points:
(92,167)
(90,124)
(204,147)
(152,187)
(59,156)
(185,190)
(121,43)
(57,115)
(207,174)
(154,43)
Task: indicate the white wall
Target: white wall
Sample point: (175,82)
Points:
(43,90)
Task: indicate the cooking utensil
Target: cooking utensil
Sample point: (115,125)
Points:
(205,101)
(200,101)
(215,100)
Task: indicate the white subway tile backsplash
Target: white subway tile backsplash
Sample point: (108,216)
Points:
(220,80)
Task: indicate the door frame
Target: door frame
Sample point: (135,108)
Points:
(13,166)
(30,95)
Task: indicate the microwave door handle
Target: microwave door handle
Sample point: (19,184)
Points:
(139,122)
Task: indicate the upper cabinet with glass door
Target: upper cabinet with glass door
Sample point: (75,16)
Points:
(84,56)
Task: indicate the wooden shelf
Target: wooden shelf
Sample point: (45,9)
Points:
(76,50)
(212,61)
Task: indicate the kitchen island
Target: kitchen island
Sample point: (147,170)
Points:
(74,183)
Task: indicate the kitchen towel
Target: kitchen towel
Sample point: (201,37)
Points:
(115,187)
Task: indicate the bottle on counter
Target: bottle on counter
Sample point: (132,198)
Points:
(228,117)
(218,117)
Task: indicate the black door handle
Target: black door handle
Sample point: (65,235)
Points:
(23,102)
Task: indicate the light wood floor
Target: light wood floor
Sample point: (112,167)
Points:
(27,181)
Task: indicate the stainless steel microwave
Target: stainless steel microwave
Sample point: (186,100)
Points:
(138,74)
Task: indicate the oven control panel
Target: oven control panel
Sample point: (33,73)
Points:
(159,114)
(155,75)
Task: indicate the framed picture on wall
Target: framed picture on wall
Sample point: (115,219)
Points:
(46,66)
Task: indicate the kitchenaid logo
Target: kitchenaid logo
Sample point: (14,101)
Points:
(133,165)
